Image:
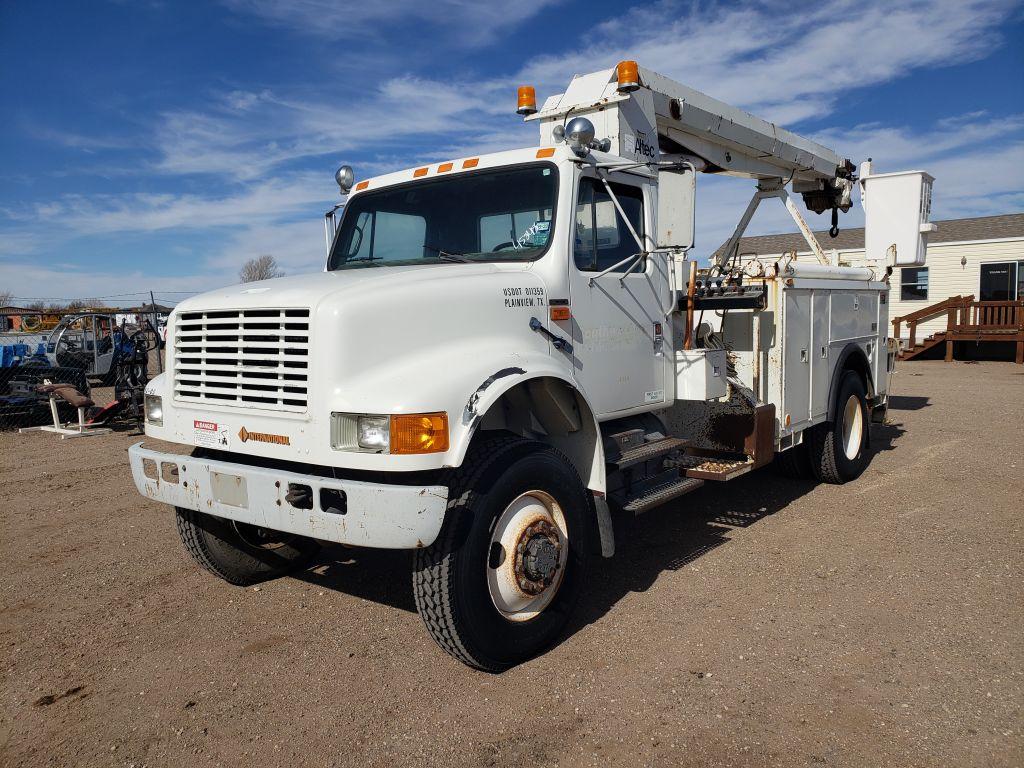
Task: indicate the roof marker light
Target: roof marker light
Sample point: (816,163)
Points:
(420,172)
(362,185)
(546,152)
(473,162)
(527,100)
(628,74)
(445,167)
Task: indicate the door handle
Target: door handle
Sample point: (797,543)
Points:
(559,343)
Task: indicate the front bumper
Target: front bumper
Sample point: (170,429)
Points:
(375,515)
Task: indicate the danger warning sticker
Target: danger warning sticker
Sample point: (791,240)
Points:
(209,434)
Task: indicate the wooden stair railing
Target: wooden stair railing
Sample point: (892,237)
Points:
(966,319)
(983,316)
(951,307)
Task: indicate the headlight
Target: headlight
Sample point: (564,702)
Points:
(155,410)
(373,433)
(407,433)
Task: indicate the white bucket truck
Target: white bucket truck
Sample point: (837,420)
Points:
(505,350)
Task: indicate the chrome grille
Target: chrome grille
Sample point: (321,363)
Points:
(257,358)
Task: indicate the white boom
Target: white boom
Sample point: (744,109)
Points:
(684,120)
(656,121)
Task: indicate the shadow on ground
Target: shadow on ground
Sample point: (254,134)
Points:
(666,539)
(907,402)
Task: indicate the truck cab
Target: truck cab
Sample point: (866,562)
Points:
(502,352)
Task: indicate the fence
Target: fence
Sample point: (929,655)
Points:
(107,365)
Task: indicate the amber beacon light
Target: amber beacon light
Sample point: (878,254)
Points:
(527,100)
(628,74)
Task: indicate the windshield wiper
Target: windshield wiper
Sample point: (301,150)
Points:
(363,258)
(458,258)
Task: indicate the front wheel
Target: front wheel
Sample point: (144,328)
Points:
(240,553)
(501,581)
(839,449)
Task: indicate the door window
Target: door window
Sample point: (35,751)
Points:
(1000,282)
(602,237)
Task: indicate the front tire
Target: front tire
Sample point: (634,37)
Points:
(839,449)
(501,581)
(240,553)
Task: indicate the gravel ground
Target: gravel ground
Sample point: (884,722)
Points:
(764,622)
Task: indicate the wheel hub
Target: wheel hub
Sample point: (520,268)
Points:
(537,557)
(528,555)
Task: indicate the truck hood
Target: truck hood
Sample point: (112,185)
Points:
(311,289)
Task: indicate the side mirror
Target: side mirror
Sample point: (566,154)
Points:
(677,196)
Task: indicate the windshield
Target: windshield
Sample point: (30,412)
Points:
(504,214)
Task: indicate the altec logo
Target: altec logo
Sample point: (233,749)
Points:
(263,437)
(643,147)
(209,426)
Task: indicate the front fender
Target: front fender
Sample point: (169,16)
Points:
(584,449)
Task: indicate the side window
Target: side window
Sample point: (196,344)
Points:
(602,238)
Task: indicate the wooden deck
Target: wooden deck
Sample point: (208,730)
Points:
(966,320)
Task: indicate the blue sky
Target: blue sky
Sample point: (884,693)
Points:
(159,145)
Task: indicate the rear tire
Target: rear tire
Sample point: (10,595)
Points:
(239,553)
(517,515)
(839,449)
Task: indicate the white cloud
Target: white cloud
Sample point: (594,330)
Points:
(149,212)
(466,23)
(784,63)
(253,134)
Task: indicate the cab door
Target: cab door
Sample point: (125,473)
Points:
(618,324)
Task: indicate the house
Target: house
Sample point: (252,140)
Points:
(981,257)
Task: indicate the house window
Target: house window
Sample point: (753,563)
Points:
(914,284)
(1002,281)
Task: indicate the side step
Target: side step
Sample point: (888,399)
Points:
(661,493)
(715,468)
(638,454)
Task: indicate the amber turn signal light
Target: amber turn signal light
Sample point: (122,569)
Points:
(560,313)
(419,433)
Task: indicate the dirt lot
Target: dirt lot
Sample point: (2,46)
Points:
(767,622)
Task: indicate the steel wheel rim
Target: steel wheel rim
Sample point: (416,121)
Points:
(853,427)
(532,522)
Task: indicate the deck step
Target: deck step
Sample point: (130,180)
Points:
(659,494)
(647,451)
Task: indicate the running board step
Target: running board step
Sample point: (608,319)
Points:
(659,494)
(712,468)
(647,451)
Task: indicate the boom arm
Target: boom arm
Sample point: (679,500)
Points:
(653,120)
